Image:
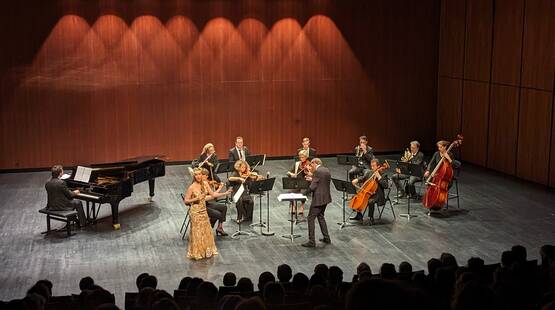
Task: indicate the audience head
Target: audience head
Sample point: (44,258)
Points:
(321,270)
(433,265)
(476,265)
(363,267)
(99,297)
(365,275)
(507,258)
(184,283)
(317,279)
(300,282)
(143,299)
(86,283)
(148,281)
(264,278)
(48,284)
(405,267)
(139,279)
(253,303)
(229,302)
(230,279)
(40,289)
(387,271)
(207,292)
(193,285)
(244,285)
(547,255)
(335,276)
(273,293)
(519,254)
(448,260)
(284,273)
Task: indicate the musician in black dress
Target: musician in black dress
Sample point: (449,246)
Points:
(442,152)
(413,156)
(379,197)
(242,176)
(365,154)
(239,151)
(60,198)
(209,160)
(311,152)
(300,170)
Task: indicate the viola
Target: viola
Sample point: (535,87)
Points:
(367,190)
(437,191)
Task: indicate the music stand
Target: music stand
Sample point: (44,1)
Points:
(347,160)
(296,184)
(413,170)
(239,231)
(345,187)
(225,167)
(260,188)
(292,197)
(256,160)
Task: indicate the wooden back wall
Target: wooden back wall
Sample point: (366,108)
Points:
(96,81)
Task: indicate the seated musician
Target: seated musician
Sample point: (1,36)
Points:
(300,170)
(245,204)
(216,211)
(239,151)
(209,160)
(414,156)
(60,198)
(311,152)
(379,196)
(441,152)
(365,154)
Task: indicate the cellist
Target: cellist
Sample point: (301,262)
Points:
(379,196)
(441,152)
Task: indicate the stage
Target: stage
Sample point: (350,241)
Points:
(495,213)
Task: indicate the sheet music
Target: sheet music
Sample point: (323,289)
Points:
(65,176)
(239,193)
(291,196)
(83,174)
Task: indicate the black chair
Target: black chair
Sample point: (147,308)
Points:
(454,187)
(67,217)
(186,220)
(387,199)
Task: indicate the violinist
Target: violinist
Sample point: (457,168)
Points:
(413,156)
(379,196)
(208,160)
(365,154)
(243,176)
(216,211)
(239,151)
(300,170)
(311,152)
(441,152)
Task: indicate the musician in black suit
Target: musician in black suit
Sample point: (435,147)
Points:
(365,154)
(413,156)
(208,159)
(60,198)
(321,197)
(311,152)
(239,151)
(379,197)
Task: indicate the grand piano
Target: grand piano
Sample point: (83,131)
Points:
(112,182)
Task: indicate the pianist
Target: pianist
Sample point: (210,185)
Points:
(60,198)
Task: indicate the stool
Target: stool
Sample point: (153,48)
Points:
(62,216)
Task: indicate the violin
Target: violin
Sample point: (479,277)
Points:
(437,191)
(251,176)
(367,190)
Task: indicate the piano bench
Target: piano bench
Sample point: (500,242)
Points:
(63,216)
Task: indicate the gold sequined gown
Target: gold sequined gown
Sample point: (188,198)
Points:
(201,238)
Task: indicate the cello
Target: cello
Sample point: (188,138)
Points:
(367,190)
(437,191)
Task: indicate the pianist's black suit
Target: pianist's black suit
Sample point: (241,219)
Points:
(60,198)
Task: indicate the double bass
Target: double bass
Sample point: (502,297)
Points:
(437,191)
(366,191)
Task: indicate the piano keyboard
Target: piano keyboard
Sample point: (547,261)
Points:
(83,195)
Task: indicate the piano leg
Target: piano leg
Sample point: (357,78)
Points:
(151,187)
(115,212)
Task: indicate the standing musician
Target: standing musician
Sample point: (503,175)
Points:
(321,197)
(379,196)
(413,156)
(441,152)
(300,170)
(216,211)
(239,151)
(209,160)
(365,154)
(311,152)
(243,175)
